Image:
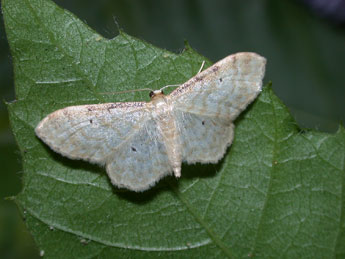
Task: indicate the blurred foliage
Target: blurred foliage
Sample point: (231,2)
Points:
(305,62)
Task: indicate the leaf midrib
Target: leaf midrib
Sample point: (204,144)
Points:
(111,244)
(217,241)
(269,188)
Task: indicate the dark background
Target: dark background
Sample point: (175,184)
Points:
(303,41)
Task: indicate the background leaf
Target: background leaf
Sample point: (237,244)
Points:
(278,192)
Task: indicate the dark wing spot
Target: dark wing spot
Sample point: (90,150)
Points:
(91,121)
(134,149)
(203,122)
(221,79)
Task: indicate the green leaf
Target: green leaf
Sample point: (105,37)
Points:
(279,191)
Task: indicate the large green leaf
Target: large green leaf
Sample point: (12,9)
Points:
(277,193)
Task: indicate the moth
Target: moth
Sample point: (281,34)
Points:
(141,142)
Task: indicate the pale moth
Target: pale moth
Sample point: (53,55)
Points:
(141,142)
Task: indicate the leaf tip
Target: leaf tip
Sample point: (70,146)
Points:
(341,128)
(269,85)
(187,46)
(10,198)
(120,30)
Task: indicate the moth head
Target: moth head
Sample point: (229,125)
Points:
(156,93)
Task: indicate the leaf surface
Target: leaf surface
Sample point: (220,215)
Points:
(279,191)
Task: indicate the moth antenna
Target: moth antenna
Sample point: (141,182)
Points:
(128,91)
(167,87)
(202,66)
